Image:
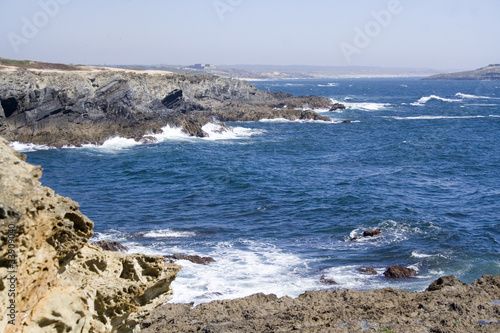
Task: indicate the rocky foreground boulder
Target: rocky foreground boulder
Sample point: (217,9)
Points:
(52,278)
(449,306)
(92,104)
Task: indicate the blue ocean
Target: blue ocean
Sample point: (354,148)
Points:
(277,203)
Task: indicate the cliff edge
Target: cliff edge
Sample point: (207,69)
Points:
(52,279)
(92,104)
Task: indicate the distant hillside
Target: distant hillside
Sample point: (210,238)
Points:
(277,72)
(488,73)
(28,64)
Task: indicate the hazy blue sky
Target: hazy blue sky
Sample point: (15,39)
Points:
(441,34)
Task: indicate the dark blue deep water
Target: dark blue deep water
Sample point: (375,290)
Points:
(276,203)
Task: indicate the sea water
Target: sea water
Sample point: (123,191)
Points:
(277,203)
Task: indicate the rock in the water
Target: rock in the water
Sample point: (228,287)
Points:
(398,272)
(368,270)
(324,280)
(194,259)
(337,106)
(65,284)
(111,246)
(371,233)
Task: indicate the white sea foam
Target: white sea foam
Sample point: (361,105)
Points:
(423,100)
(28,147)
(118,143)
(367,106)
(218,131)
(363,106)
(170,133)
(168,233)
(245,267)
(416,254)
(427,117)
(215,131)
(333,84)
(241,268)
(460,95)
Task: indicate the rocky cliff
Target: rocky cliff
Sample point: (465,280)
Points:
(52,279)
(91,104)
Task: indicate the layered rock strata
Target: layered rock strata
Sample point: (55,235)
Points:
(52,279)
(447,306)
(90,105)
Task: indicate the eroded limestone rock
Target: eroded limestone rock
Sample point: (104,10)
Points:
(64,284)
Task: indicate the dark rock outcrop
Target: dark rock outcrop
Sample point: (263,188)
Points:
(337,106)
(91,104)
(324,280)
(398,272)
(194,259)
(111,246)
(445,281)
(368,270)
(372,233)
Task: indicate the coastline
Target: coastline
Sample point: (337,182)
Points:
(451,306)
(447,305)
(62,107)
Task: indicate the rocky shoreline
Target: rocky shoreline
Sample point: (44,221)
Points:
(92,104)
(448,305)
(54,280)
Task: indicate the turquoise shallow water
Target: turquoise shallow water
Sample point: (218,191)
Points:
(276,202)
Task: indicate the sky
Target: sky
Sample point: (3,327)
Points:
(438,34)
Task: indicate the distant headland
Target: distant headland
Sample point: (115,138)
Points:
(488,73)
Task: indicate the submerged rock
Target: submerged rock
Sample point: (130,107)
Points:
(368,270)
(372,233)
(324,280)
(63,283)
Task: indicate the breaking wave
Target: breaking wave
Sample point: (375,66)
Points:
(422,101)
